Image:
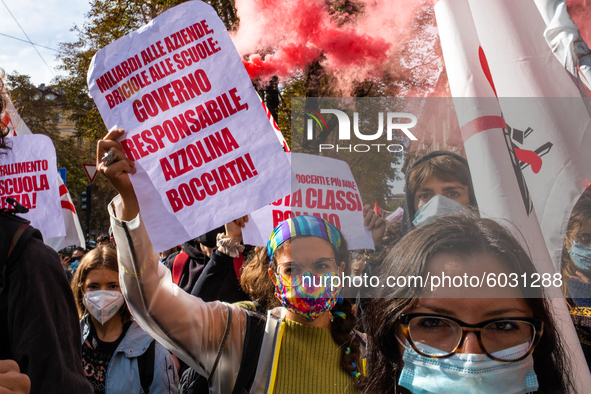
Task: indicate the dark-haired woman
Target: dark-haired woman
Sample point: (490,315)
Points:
(117,355)
(309,345)
(464,339)
(576,270)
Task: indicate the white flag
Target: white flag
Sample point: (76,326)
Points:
(543,104)
(74,234)
(278,132)
(12,120)
(499,183)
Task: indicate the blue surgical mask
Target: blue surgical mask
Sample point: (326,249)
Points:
(464,373)
(581,255)
(437,206)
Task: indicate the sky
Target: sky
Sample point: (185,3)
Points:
(46,22)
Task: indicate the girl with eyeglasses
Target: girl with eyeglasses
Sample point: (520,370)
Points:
(461,339)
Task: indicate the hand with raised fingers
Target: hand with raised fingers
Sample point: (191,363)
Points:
(374,223)
(12,381)
(112,162)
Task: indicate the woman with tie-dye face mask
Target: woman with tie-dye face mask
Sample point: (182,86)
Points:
(304,253)
(308,345)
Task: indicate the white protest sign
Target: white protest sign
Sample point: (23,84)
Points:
(328,190)
(204,149)
(28,173)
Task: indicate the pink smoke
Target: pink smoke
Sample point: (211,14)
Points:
(282,37)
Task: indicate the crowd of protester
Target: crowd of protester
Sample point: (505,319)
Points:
(216,316)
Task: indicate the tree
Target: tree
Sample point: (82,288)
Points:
(37,112)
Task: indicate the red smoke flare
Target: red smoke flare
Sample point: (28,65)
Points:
(281,37)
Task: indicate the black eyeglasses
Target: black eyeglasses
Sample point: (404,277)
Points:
(445,335)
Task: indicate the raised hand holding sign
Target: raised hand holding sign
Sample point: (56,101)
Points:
(202,146)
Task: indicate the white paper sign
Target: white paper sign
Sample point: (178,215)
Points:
(28,173)
(203,146)
(328,190)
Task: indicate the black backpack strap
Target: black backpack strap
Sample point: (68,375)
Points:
(221,349)
(146,367)
(253,340)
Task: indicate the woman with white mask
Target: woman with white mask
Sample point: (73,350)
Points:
(117,355)
(464,338)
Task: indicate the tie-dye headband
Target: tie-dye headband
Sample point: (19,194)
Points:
(302,226)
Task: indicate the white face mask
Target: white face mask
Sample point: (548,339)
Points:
(464,373)
(103,304)
(437,206)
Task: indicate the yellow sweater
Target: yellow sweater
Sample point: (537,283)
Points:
(310,363)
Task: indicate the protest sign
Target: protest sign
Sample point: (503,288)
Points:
(28,173)
(327,189)
(203,147)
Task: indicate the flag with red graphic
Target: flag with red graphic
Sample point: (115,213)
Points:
(74,235)
(546,109)
(513,156)
(376,209)
(275,127)
(16,126)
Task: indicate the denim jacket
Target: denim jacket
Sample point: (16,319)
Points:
(123,373)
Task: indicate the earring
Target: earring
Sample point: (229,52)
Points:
(395,377)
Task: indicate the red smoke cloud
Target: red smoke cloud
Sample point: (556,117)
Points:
(281,37)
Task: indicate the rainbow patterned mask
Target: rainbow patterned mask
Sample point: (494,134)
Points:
(307,297)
